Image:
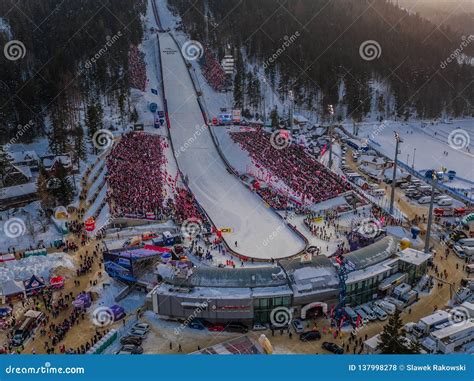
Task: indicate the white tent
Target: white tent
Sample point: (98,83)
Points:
(10,288)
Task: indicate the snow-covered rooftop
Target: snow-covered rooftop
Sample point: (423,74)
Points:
(17,191)
(413,256)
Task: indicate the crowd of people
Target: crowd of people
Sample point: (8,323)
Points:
(136,176)
(273,198)
(186,207)
(310,181)
(137,68)
(213,71)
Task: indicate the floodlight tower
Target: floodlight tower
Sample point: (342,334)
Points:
(398,140)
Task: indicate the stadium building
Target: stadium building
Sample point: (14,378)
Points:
(309,288)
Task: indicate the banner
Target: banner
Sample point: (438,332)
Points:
(237,367)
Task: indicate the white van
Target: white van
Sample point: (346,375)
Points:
(359,311)
(379,192)
(445,201)
(387,307)
(370,313)
(424,188)
(380,313)
(397,303)
(424,200)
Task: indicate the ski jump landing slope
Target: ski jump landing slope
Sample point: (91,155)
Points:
(259,232)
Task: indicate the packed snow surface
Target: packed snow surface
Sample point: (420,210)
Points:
(259,232)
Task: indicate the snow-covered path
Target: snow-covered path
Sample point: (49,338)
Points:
(260,233)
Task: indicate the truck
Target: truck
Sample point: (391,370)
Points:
(26,326)
(449,212)
(427,324)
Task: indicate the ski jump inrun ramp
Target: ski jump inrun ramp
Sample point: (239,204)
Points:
(259,232)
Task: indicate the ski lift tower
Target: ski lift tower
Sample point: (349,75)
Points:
(344,267)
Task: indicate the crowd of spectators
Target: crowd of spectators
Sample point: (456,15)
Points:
(309,180)
(137,68)
(136,176)
(213,71)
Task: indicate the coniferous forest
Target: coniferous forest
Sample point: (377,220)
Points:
(55,79)
(325,57)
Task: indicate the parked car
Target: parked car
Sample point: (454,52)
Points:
(380,313)
(332,347)
(196,324)
(259,327)
(424,200)
(130,349)
(138,332)
(386,306)
(297,325)
(215,328)
(236,327)
(142,326)
(370,313)
(360,312)
(134,340)
(310,336)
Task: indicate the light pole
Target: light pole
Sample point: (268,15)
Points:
(331,112)
(413,163)
(291,96)
(398,140)
(430,214)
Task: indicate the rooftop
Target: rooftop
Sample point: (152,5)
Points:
(233,278)
(17,191)
(374,253)
(413,256)
(445,333)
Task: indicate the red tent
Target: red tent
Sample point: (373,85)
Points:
(157,248)
(57,282)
